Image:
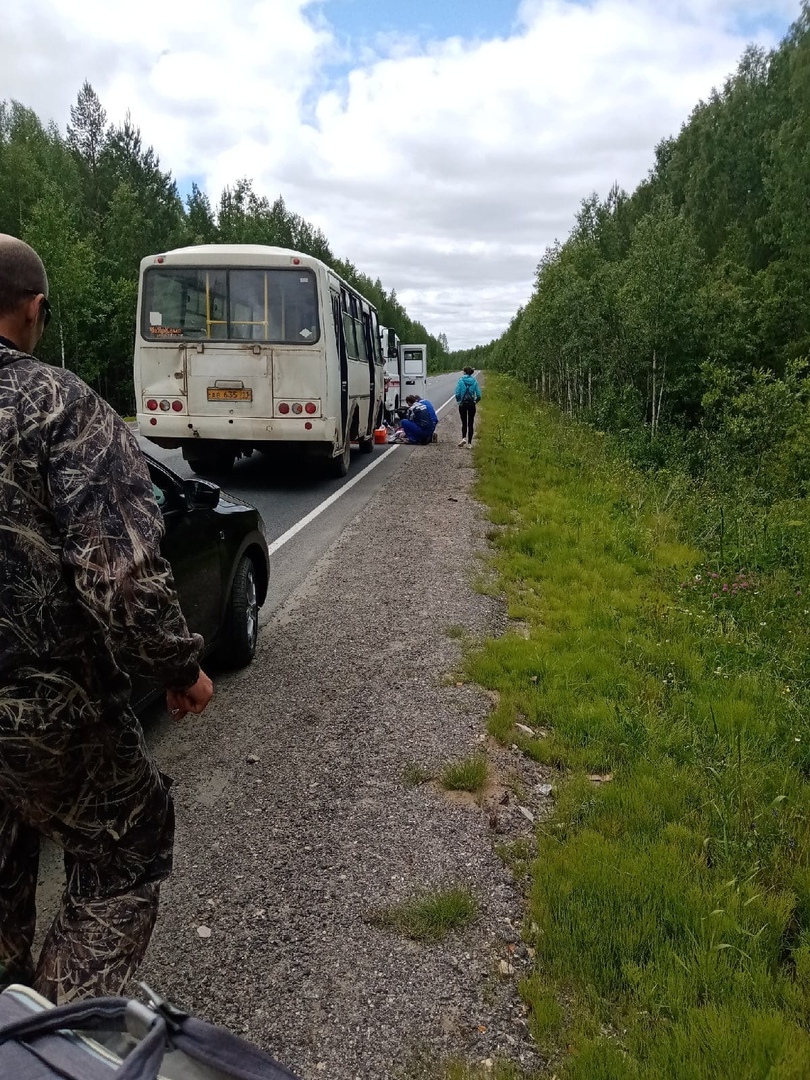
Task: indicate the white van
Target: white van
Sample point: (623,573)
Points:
(413,365)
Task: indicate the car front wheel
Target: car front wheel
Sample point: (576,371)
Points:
(242,621)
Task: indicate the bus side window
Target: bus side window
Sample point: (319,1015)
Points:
(365,329)
(336,318)
(348,333)
(377,350)
(360,330)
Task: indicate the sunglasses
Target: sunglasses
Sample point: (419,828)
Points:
(45,307)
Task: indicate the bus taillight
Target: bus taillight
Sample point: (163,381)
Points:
(284,408)
(151,405)
(311,407)
(177,406)
(297,408)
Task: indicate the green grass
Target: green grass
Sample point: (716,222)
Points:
(671,906)
(428,1066)
(430,917)
(414,775)
(467,775)
(498,1070)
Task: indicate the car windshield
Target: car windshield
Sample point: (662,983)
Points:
(204,303)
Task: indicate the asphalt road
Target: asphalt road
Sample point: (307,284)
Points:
(286,498)
(284,502)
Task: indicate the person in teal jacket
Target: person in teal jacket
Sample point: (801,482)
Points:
(468,394)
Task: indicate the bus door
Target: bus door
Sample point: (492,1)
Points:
(374,367)
(357,360)
(340,340)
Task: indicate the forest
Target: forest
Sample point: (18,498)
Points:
(677,317)
(95,200)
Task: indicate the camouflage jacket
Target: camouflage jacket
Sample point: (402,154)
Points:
(83,587)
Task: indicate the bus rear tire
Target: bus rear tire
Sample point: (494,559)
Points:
(211,464)
(339,466)
(366,445)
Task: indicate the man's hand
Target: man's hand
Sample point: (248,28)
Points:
(182,702)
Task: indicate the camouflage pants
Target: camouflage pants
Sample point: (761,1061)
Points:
(87,782)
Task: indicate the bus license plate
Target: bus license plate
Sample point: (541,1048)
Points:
(219,393)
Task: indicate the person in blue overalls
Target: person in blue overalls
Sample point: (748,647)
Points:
(421,421)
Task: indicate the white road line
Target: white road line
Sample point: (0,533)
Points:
(319,509)
(280,541)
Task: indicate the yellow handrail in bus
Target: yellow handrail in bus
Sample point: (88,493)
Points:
(265,322)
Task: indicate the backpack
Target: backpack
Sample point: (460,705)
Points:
(468,395)
(42,1042)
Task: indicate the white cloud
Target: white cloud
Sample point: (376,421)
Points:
(444,167)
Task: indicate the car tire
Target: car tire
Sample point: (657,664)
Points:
(241,629)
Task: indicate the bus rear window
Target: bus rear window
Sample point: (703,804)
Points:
(207,304)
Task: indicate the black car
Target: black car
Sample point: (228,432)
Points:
(218,553)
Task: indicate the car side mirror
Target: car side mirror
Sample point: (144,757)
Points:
(201,495)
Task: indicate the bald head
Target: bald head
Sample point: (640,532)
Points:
(22,274)
(24,308)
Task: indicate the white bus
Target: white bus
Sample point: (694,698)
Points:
(414,370)
(243,347)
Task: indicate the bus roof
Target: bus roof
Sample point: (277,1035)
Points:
(244,255)
(233,253)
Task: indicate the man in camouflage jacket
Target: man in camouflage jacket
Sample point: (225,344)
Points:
(85,600)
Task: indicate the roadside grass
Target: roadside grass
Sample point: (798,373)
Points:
(430,917)
(428,1066)
(669,909)
(467,775)
(414,775)
(494,1070)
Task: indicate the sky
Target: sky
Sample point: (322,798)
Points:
(441,145)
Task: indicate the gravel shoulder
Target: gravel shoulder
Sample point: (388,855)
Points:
(295,821)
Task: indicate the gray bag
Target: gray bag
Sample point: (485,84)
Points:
(41,1042)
